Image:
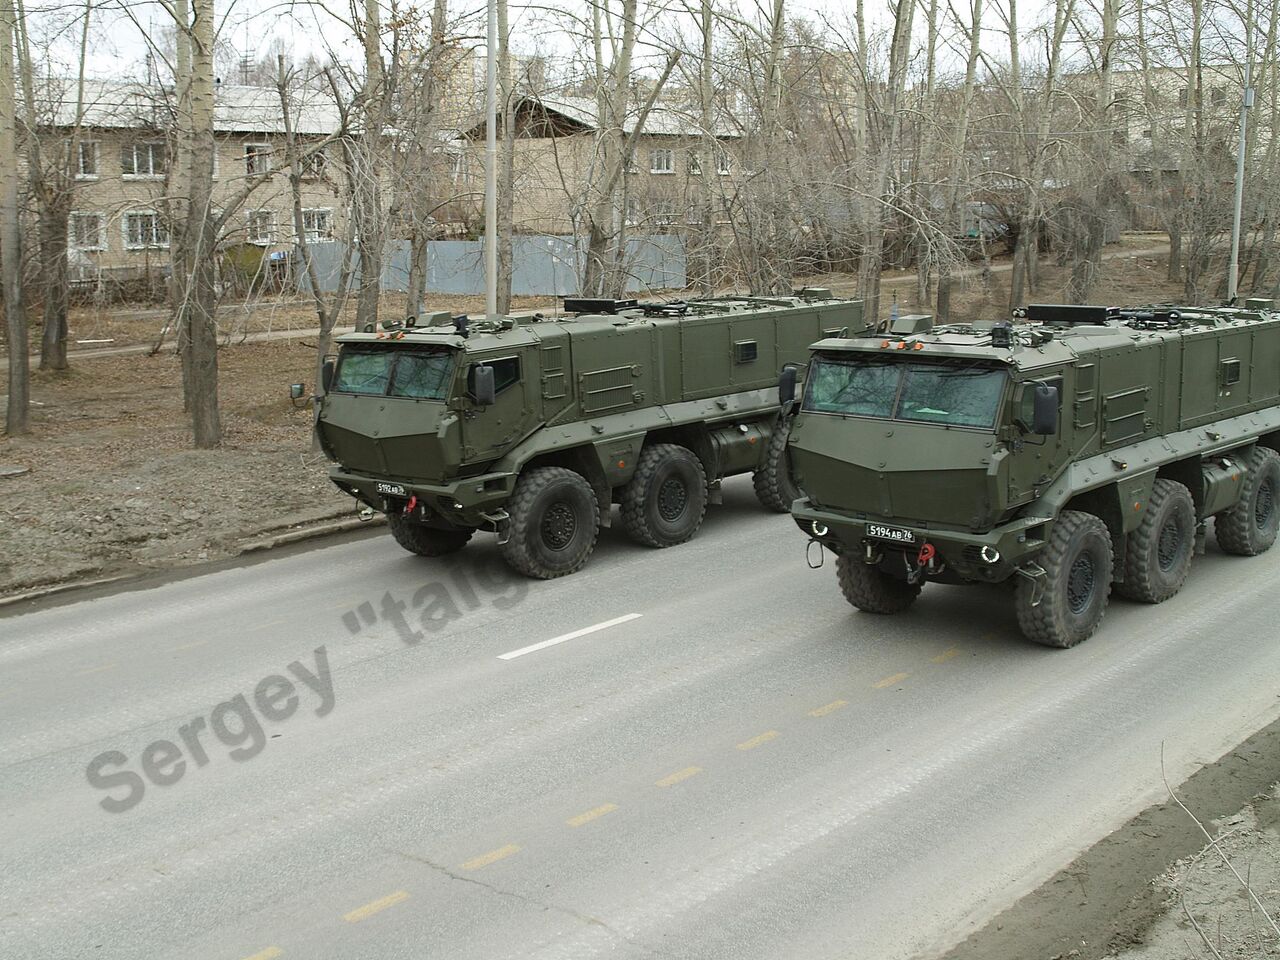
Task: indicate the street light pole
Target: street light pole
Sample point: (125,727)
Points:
(1246,102)
(491,166)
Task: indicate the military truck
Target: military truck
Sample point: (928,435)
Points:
(1081,450)
(533,428)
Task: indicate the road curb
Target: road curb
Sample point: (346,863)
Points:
(261,545)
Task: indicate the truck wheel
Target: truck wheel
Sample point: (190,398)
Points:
(426,541)
(1158,554)
(555,519)
(1077,564)
(1249,528)
(667,497)
(873,590)
(775,488)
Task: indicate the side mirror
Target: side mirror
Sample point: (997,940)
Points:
(1044,410)
(787,385)
(296,390)
(326,375)
(484,388)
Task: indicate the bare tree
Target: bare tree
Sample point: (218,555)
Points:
(17,414)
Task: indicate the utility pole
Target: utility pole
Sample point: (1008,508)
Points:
(491,166)
(1246,102)
(16,417)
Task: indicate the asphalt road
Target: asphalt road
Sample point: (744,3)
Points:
(744,767)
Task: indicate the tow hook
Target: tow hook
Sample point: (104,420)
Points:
(1036,574)
(366,514)
(871,555)
(808,554)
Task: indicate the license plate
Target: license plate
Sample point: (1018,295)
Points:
(896,534)
(391,489)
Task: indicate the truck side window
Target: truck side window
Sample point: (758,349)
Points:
(505,373)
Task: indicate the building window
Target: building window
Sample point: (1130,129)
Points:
(664,211)
(695,163)
(262,226)
(84,231)
(257,158)
(143,160)
(722,162)
(87,160)
(1219,96)
(662,160)
(633,211)
(1183,94)
(632,167)
(313,166)
(144,229)
(694,214)
(318,225)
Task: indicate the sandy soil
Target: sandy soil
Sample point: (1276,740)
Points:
(113,487)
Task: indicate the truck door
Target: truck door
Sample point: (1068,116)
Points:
(488,432)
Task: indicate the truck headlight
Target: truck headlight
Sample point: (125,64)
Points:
(819,528)
(989,555)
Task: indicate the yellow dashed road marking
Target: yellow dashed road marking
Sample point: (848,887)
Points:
(673,779)
(831,707)
(192,646)
(268,954)
(369,909)
(109,666)
(946,655)
(890,681)
(594,814)
(493,856)
(756,741)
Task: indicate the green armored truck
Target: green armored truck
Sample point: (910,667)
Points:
(1083,449)
(533,428)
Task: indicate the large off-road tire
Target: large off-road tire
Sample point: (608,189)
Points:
(1077,562)
(555,519)
(426,541)
(871,589)
(1158,553)
(667,497)
(775,487)
(1249,528)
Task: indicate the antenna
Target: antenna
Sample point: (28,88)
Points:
(491,165)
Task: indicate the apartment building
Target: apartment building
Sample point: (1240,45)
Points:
(555,159)
(123,172)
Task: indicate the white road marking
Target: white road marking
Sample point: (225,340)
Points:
(534,648)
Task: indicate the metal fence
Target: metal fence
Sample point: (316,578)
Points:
(541,266)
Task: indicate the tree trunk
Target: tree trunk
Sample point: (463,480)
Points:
(369,196)
(54,214)
(17,416)
(199,235)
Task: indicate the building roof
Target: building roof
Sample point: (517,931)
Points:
(664,119)
(115,104)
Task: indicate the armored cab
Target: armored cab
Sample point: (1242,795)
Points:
(1077,449)
(533,427)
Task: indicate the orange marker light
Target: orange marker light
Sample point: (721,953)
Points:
(621,464)
(917,346)
(884,344)
(902,345)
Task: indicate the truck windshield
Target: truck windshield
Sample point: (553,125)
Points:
(961,394)
(422,374)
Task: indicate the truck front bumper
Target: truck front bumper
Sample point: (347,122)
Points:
(469,502)
(991,556)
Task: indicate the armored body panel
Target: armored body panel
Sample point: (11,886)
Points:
(955,454)
(437,425)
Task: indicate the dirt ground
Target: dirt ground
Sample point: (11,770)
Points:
(1208,911)
(113,487)
(1122,899)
